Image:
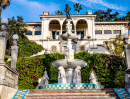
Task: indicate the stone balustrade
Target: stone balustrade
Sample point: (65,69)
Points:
(8,76)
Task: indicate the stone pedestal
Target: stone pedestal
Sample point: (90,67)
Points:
(127,72)
(8,76)
(14,54)
(3,41)
(7,92)
(77,80)
(69,75)
(61,80)
(8,81)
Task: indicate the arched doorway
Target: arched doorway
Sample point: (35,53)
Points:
(54,29)
(81,28)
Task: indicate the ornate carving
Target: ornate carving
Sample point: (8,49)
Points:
(14,43)
(3,33)
(14,47)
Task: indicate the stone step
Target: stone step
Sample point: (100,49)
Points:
(68,93)
(80,98)
(107,93)
(72,97)
(62,94)
(69,90)
(72,91)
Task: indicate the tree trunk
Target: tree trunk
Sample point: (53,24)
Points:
(1,6)
(9,51)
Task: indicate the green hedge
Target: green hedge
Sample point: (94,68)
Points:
(27,47)
(109,69)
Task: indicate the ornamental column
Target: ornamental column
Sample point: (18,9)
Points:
(127,58)
(14,51)
(75,29)
(3,39)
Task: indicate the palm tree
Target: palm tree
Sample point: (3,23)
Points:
(59,12)
(77,7)
(3,5)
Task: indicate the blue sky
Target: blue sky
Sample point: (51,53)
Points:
(31,9)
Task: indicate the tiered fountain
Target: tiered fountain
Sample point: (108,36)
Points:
(69,68)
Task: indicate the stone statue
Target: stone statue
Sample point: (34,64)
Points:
(43,81)
(62,75)
(77,75)
(127,82)
(61,72)
(93,78)
(77,72)
(3,32)
(46,78)
(67,9)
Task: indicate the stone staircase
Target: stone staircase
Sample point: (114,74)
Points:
(107,93)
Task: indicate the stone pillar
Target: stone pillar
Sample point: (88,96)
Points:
(42,27)
(127,58)
(75,29)
(69,75)
(3,41)
(60,28)
(45,28)
(93,28)
(14,53)
(8,76)
(60,46)
(48,38)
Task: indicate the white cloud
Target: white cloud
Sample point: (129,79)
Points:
(29,10)
(34,5)
(99,4)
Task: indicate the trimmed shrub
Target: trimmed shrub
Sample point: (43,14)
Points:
(109,69)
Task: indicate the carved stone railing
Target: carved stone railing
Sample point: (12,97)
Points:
(8,76)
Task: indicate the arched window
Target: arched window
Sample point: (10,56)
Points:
(81,28)
(54,29)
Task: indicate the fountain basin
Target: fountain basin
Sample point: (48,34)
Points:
(66,36)
(70,86)
(74,63)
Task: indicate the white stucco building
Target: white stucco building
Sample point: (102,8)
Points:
(46,32)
